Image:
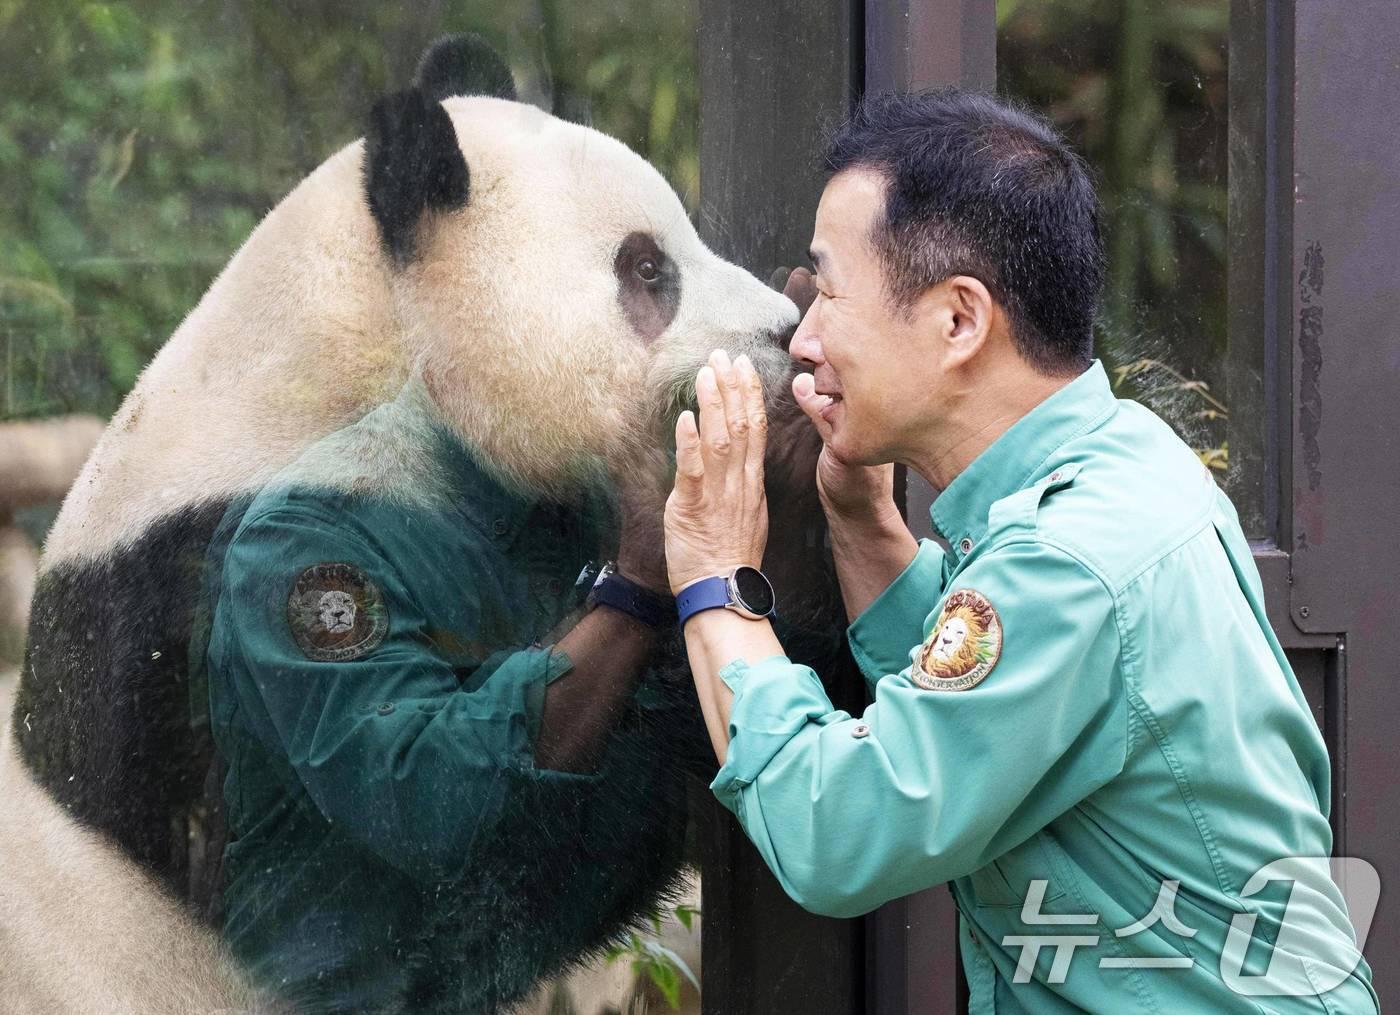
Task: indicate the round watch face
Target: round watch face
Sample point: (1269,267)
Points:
(752,590)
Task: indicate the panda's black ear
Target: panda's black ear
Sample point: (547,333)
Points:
(413,164)
(463,65)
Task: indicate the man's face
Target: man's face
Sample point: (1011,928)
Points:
(878,365)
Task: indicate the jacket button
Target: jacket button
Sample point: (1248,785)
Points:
(500,527)
(965,547)
(860,730)
(1055,476)
(386,708)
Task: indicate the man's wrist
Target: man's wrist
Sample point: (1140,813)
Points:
(869,555)
(744,590)
(722,636)
(880,524)
(680,582)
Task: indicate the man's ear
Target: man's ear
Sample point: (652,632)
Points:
(965,315)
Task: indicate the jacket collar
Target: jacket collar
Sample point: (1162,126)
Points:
(1017,457)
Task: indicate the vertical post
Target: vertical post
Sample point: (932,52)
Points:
(912,951)
(1258,214)
(1338,336)
(771,74)
(926,43)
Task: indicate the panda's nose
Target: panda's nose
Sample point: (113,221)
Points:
(782,339)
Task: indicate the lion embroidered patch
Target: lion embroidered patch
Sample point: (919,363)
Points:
(336,613)
(964,646)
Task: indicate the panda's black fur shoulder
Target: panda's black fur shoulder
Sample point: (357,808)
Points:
(103,712)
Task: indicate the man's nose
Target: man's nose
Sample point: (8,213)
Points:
(805,346)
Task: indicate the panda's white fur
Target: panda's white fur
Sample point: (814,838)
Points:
(508,312)
(510,309)
(85,930)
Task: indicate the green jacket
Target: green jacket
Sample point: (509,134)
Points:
(377,673)
(1094,703)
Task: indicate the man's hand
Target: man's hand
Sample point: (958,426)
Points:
(861,494)
(717,515)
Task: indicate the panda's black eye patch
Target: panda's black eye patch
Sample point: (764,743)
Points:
(648,285)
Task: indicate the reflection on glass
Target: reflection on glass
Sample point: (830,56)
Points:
(1140,89)
(313,592)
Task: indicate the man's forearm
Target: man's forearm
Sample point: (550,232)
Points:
(869,555)
(713,640)
(609,650)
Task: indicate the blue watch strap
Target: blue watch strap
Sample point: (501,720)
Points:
(620,593)
(706,594)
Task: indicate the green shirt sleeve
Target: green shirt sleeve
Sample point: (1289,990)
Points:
(931,785)
(389,745)
(882,637)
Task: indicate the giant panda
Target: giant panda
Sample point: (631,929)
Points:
(487,252)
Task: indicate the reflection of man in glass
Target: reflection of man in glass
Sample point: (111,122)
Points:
(1076,746)
(337,612)
(429,742)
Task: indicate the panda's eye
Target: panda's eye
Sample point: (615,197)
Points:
(647,270)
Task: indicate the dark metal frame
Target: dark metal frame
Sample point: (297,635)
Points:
(1315,310)
(771,73)
(1330,210)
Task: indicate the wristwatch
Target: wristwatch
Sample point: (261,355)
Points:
(745,590)
(611,589)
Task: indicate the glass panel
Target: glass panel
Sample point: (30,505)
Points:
(1140,87)
(141,144)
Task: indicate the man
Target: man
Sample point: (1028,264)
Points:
(1081,718)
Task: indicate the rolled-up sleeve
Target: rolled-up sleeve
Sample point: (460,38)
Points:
(930,785)
(391,746)
(883,636)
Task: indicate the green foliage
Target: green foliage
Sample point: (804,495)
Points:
(661,965)
(141,141)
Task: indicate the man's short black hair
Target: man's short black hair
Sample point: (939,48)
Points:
(976,186)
